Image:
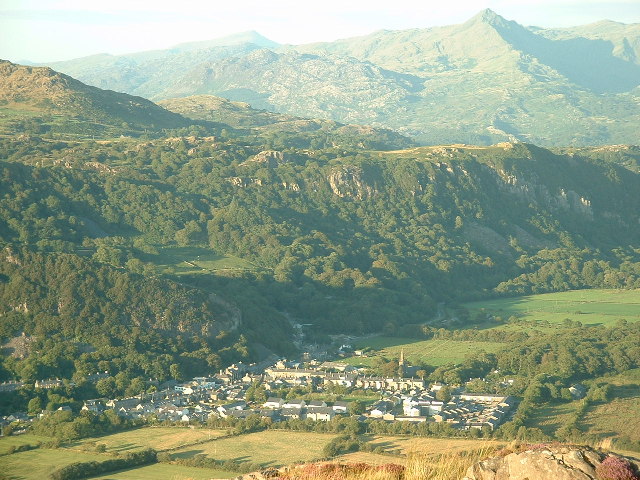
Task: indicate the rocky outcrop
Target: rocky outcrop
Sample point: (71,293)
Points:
(262,475)
(232,317)
(551,462)
(273,158)
(348,181)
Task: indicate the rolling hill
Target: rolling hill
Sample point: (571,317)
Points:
(287,129)
(27,92)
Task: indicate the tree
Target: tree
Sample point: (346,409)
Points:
(444,394)
(357,407)
(106,387)
(175,372)
(136,386)
(35,406)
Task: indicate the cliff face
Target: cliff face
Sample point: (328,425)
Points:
(548,462)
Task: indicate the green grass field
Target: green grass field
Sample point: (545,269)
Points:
(38,464)
(550,417)
(166,471)
(19,440)
(607,420)
(590,307)
(407,445)
(194,260)
(431,352)
(158,438)
(620,416)
(271,447)
(367,398)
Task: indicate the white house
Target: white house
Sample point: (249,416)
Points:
(273,402)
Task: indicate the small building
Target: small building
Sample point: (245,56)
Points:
(578,391)
(94,405)
(273,402)
(340,407)
(298,403)
(411,418)
(323,414)
(50,383)
(291,413)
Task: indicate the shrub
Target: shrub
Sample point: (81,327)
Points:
(615,468)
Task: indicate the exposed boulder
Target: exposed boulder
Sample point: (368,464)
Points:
(273,158)
(555,462)
(349,181)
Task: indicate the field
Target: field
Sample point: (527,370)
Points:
(194,260)
(607,420)
(271,447)
(431,352)
(399,448)
(38,464)
(620,416)
(19,440)
(158,438)
(407,445)
(550,417)
(366,398)
(166,471)
(590,307)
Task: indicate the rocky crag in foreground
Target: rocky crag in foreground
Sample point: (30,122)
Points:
(547,462)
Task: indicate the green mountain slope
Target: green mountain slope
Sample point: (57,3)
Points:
(283,129)
(484,81)
(186,252)
(344,239)
(39,92)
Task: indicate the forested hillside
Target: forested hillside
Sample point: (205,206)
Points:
(343,238)
(178,250)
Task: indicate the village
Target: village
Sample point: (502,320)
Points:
(401,398)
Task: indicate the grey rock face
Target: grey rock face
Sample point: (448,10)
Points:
(543,463)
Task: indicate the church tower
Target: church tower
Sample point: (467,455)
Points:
(401,365)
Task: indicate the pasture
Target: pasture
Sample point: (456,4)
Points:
(431,352)
(270,447)
(38,464)
(620,417)
(425,446)
(195,260)
(158,438)
(166,471)
(18,440)
(589,307)
(549,417)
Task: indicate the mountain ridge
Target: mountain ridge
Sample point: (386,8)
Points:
(486,80)
(42,90)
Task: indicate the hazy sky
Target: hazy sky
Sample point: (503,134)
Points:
(41,30)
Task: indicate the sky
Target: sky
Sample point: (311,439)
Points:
(50,30)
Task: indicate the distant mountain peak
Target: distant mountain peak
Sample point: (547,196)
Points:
(488,17)
(250,36)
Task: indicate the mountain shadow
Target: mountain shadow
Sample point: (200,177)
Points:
(581,60)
